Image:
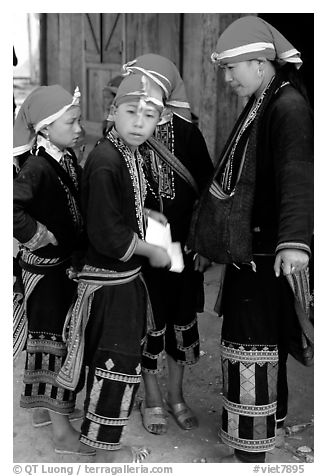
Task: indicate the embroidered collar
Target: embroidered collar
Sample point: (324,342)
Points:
(51,149)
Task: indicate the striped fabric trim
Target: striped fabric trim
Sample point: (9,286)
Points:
(188,326)
(181,104)
(216,190)
(57,406)
(299,283)
(118,377)
(289,54)
(34,376)
(46,346)
(105,277)
(128,68)
(100,445)
(30,280)
(241,50)
(250,410)
(253,446)
(158,333)
(130,249)
(106,421)
(255,356)
(294,245)
(151,356)
(21,149)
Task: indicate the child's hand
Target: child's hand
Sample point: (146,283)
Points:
(159,258)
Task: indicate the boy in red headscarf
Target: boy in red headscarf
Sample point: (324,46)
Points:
(48,227)
(112,310)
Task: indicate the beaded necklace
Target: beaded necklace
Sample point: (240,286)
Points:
(134,166)
(227,175)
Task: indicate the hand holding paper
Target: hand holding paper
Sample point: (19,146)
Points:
(160,235)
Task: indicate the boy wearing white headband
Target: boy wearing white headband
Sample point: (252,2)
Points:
(112,304)
(48,227)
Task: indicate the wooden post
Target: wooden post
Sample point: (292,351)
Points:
(218,109)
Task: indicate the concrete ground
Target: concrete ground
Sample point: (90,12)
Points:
(203,383)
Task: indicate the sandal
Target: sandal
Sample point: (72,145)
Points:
(79,451)
(181,413)
(140,454)
(153,416)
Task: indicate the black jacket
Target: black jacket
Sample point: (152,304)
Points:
(283,203)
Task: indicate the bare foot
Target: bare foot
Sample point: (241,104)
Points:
(126,454)
(70,444)
(41,417)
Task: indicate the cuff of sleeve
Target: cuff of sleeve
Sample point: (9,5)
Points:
(130,249)
(293,245)
(37,239)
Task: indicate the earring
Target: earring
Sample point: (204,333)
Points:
(47,138)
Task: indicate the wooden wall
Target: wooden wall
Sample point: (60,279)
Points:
(188,39)
(153,33)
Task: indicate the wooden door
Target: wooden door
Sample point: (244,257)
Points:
(104,53)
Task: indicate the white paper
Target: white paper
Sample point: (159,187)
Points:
(160,235)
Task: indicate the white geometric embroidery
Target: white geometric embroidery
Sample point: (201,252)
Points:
(138,369)
(247,384)
(109,364)
(95,393)
(233,424)
(126,401)
(93,431)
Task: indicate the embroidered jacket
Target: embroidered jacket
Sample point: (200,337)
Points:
(42,202)
(112,201)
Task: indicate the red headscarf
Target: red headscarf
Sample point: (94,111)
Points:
(141,88)
(249,38)
(42,107)
(166,75)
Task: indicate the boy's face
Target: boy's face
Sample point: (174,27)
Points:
(135,123)
(66,130)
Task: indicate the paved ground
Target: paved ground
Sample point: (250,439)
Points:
(202,392)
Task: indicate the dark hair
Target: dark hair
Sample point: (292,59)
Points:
(288,72)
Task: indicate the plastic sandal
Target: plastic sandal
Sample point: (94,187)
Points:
(79,452)
(40,419)
(181,413)
(153,416)
(139,454)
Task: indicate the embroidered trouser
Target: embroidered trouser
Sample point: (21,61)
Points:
(257,316)
(113,340)
(174,299)
(46,310)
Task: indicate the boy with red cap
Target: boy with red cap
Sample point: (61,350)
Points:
(48,227)
(112,310)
